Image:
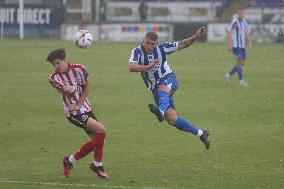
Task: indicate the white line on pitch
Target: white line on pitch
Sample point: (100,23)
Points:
(61,184)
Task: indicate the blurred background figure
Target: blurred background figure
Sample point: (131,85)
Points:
(237,35)
(143,8)
(102,10)
(280,38)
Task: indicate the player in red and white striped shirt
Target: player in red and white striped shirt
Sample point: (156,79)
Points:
(71,81)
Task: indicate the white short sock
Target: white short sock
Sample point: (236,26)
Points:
(97,164)
(228,75)
(199,133)
(72,159)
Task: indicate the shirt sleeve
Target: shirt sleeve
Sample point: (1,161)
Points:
(135,56)
(85,73)
(246,26)
(169,47)
(232,25)
(55,82)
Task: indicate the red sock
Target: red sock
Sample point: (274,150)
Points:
(98,141)
(84,150)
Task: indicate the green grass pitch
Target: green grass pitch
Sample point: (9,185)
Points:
(246,123)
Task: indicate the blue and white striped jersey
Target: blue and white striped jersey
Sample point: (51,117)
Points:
(153,76)
(238,28)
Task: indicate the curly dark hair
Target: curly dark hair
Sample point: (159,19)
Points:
(56,54)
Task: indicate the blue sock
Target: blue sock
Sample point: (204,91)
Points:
(185,126)
(240,73)
(163,100)
(234,69)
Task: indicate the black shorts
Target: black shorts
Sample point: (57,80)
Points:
(82,119)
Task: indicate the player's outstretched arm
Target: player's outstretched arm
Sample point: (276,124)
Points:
(69,91)
(134,67)
(189,41)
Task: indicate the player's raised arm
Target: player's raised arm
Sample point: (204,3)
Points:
(189,41)
(69,91)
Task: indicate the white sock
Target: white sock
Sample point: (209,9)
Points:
(72,159)
(199,133)
(97,164)
(228,75)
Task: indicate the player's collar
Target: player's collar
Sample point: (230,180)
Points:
(240,19)
(144,50)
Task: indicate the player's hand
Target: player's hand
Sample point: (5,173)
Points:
(69,90)
(73,107)
(230,49)
(201,31)
(153,63)
(250,45)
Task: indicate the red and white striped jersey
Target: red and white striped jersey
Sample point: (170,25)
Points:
(76,76)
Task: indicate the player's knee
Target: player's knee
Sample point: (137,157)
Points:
(240,63)
(164,88)
(171,120)
(96,128)
(101,128)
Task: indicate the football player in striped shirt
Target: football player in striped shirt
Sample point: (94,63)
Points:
(150,59)
(71,81)
(237,35)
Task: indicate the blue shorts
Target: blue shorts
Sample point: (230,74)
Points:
(239,53)
(171,81)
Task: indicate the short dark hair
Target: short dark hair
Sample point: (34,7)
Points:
(152,35)
(56,54)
